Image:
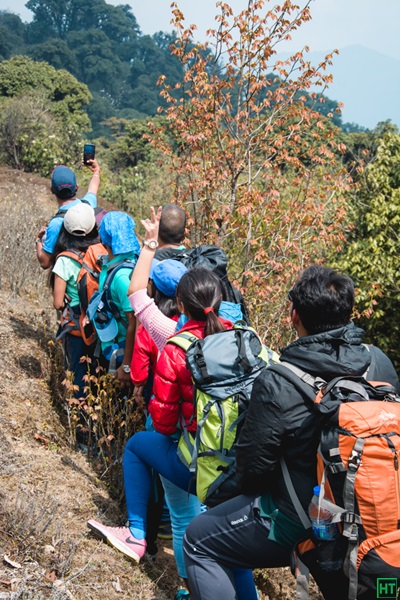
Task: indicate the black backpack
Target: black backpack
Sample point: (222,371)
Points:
(214,259)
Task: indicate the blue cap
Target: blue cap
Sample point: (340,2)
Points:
(166,275)
(107,331)
(117,232)
(63,182)
(154,263)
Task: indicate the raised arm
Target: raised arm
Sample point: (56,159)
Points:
(141,272)
(159,326)
(94,183)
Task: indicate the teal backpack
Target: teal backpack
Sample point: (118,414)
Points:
(104,314)
(223,367)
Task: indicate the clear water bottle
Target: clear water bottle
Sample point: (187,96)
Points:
(321,519)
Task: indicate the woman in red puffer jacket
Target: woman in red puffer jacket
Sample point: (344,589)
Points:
(173,386)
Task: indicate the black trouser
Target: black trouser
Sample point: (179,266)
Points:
(231,535)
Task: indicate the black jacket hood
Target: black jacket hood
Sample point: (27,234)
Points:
(330,354)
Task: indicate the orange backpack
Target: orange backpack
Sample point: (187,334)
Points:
(88,284)
(359,477)
(69,320)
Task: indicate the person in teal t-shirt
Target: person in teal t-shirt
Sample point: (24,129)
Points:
(118,236)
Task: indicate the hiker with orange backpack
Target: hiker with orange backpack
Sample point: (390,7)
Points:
(276,453)
(78,232)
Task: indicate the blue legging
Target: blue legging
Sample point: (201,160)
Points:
(148,450)
(183,508)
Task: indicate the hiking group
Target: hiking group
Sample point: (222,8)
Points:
(237,437)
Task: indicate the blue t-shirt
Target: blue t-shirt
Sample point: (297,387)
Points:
(54,227)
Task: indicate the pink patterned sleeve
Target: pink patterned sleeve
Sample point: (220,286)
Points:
(160,327)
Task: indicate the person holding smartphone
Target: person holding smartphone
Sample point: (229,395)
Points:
(64,186)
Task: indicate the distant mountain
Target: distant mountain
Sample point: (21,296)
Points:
(368,84)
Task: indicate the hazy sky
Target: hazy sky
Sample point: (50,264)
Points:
(368,84)
(335,23)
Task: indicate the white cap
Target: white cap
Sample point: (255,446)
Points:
(80,219)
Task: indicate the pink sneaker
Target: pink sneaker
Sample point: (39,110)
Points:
(121,538)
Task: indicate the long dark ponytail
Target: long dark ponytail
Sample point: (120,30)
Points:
(201,293)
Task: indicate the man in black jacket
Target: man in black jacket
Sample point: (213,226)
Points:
(260,528)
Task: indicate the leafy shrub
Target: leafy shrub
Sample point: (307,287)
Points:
(42,120)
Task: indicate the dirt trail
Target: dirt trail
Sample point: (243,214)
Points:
(44,482)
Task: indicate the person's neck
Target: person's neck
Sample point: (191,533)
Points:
(301,331)
(165,245)
(62,202)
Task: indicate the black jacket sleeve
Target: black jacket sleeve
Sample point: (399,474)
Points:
(382,368)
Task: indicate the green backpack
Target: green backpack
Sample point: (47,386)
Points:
(223,367)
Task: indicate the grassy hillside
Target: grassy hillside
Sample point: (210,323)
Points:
(47,490)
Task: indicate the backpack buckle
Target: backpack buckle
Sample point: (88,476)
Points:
(354,461)
(350,517)
(352,533)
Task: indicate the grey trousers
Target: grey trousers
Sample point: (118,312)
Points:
(229,536)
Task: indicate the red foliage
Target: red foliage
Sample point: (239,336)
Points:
(258,171)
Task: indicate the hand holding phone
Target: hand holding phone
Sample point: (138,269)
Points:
(89,153)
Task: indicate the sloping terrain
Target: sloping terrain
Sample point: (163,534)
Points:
(47,490)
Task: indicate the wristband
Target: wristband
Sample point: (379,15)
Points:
(38,240)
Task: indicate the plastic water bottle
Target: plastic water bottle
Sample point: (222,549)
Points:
(321,519)
(112,365)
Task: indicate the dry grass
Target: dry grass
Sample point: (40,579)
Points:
(49,491)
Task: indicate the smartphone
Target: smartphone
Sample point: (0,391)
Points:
(88,153)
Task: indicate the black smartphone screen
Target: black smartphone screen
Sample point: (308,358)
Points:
(88,153)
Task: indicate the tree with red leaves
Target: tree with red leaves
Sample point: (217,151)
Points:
(258,169)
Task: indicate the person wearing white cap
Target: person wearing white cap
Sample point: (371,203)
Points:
(78,232)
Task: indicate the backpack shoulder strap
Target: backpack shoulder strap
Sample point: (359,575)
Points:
(306,377)
(74,254)
(129,264)
(184,340)
(305,521)
(106,293)
(59,214)
(306,383)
